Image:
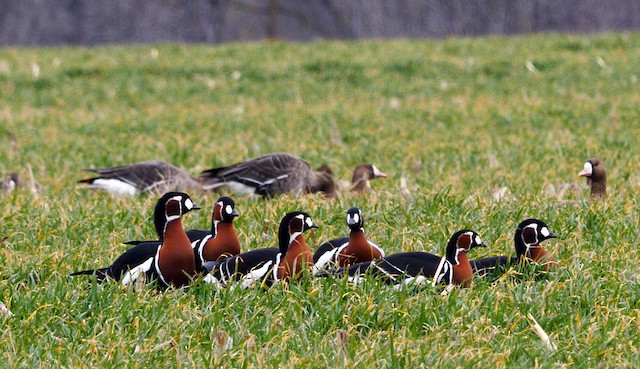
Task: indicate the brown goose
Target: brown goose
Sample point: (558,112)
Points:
(281,173)
(271,175)
(156,177)
(269,265)
(10,182)
(596,177)
(361,176)
(527,240)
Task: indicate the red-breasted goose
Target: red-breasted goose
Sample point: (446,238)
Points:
(210,245)
(269,265)
(169,263)
(417,267)
(344,251)
(527,238)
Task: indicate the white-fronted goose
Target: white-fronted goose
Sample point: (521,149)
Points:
(596,177)
(281,173)
(155,177)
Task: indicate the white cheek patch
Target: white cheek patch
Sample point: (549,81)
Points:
(356,218)
(309,222)
(545,231)
(478,240)
(188,203)
(588,169)
(228,209)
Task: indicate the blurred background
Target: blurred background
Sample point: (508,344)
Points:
(91,22)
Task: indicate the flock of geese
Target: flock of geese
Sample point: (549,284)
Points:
(268,176)
(179,257)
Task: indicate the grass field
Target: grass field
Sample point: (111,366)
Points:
(458,118)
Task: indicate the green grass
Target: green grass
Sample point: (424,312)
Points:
(440,113)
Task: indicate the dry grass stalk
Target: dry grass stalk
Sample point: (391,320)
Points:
(542,334)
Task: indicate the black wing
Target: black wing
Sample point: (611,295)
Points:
(132,258)
(197,234)
(329,246)
(488,265)
(394,267)
(238,266)
(194,235)
(409,263)
(128,260)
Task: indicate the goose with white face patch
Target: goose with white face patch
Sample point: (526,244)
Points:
(529,234)
(270,265)
(168,263)
(210,245)
(596,176)
(222,240)
(362,174)
(417,267)
(155,177)
(344,251)
(278,174)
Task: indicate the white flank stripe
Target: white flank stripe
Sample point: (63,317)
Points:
(240,188)
(133,274)
(438,271)
(411,281)
(255,275)
(114,186)
(327,257)
(210,279)
(200,247)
